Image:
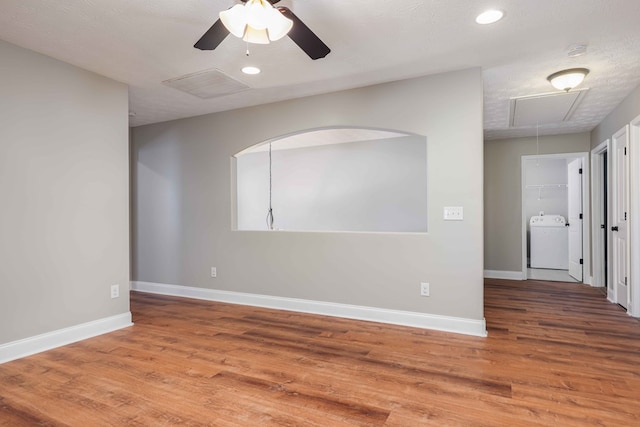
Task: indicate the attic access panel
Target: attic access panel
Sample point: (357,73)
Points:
(545,108)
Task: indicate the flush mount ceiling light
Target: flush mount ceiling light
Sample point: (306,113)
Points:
(251,70)
(489,17)
(568,79)
(256,21)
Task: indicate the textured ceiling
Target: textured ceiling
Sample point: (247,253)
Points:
(145,42)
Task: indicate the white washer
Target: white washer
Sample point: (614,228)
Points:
(549,242)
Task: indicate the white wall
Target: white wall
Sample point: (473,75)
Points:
(64,187)
(378,185)
(183,210)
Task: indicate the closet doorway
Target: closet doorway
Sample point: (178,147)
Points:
(600,210)
(555,217)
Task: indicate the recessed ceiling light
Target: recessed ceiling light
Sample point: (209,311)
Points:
(489,17)
(251,70)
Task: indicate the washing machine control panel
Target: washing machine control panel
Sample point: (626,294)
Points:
(548,221)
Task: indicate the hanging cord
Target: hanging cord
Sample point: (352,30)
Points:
(537,143)
(538,158)
(270,213)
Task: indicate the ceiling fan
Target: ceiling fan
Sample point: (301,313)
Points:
(297,30)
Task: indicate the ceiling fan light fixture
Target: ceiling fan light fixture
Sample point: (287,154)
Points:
(257,14)
(279,26)
(568,79)
(235,20)
(251,35)
(257,21)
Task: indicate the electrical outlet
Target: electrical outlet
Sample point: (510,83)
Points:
(424,289)
(453,213)
(115,291)
(214,272)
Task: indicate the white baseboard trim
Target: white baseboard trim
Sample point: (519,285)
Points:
(39,343)
(372,314)
(498,274)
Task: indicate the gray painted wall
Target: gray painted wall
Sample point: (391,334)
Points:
(63,180)
(626,111)
(503,193)
(183,210)
(378,185)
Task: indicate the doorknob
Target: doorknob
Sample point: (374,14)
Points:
(614,228)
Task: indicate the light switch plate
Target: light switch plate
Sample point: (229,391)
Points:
(424,289)
(453,213)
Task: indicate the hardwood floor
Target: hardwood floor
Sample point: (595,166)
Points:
(558,354)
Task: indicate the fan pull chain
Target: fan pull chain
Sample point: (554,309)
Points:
(537,143)
(270,212)
(247,48)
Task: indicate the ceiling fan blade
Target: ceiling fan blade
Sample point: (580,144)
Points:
(213,37)
(304,37)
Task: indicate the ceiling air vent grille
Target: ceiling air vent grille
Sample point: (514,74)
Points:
(207,84)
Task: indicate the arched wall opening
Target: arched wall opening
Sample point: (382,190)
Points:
(333,179)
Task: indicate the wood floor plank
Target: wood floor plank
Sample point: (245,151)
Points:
(558,354)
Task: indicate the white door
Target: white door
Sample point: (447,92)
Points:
(619,213)
(574,171)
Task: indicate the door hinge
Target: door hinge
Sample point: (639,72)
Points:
(625,216)
(580,261)
(625,281)
(580,171)
(625,151)
(580,216)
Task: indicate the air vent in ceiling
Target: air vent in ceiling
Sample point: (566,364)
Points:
(207,84)
(543,109)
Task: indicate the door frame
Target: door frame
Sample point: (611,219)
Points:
(626,131)
(597,195)
(634,217)
(575,218)
(586,203)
